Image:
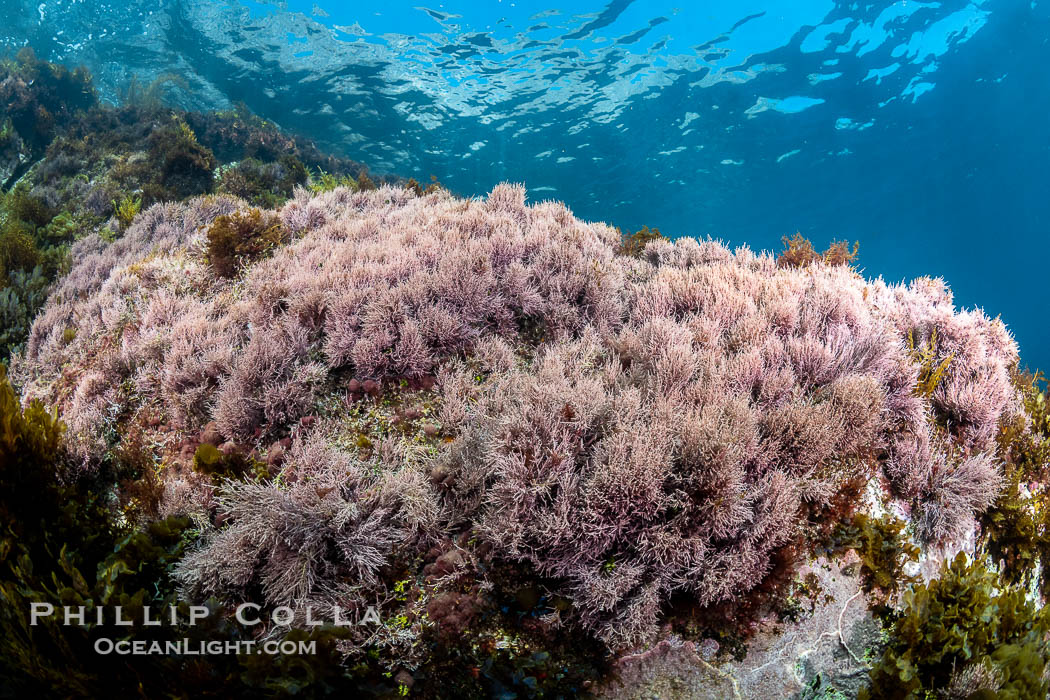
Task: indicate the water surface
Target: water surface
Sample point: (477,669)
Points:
(919,128)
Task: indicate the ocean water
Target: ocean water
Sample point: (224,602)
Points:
(920,129)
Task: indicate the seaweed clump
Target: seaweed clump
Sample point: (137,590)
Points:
(33,250)
(127,209)
(185,166)
(799,252)
(239,237)
(23,296)
(62,544)
(59,544)
(209,460)
(1016,529)
(262,183)
(885,553)
(39,99)
(964,636)
(634,244)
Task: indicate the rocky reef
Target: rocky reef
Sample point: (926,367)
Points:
(552,459)
(71,165)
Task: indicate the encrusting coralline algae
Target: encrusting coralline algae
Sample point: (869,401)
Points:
(634,428)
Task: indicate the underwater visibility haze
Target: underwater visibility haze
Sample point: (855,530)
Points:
(505,349)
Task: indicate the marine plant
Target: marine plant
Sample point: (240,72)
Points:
(266,184)
(322,539)
(706,403)
(62,546)
(126,209)
(322,181)
(218,465)
(54,539)
(799,252)
(39,98)
(964,634)
(151,95)
(184,165)
(237,238)
(20,300)
(364,182)
(884,549)
(634,244)
(17,251)
(1015,530)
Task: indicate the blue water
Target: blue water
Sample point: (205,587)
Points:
(920,129)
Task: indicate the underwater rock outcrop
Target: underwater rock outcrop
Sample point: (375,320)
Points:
(636,427)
